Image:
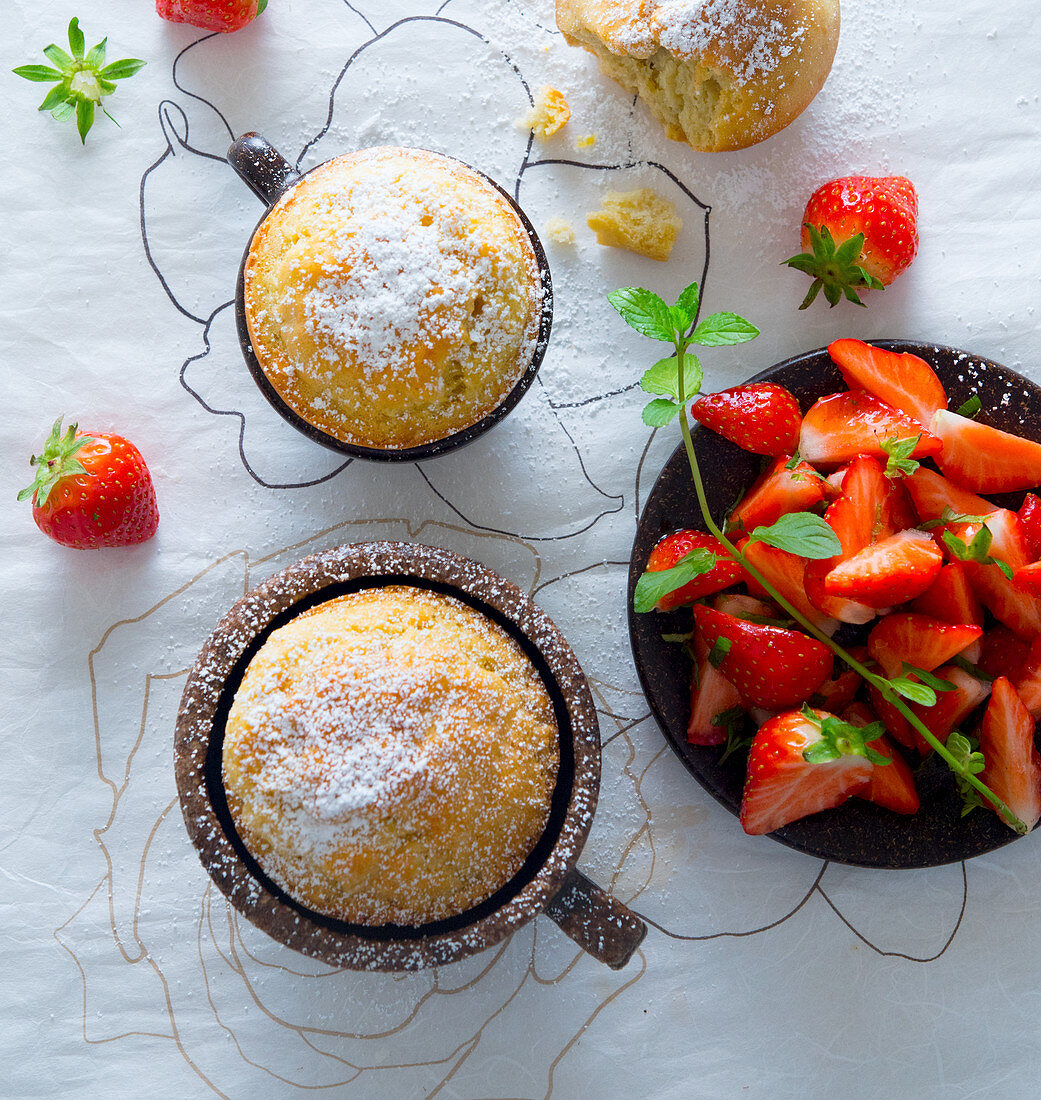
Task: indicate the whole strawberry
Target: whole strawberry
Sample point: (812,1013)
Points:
(92,490)
(761,417)
(858,232)
(211,15)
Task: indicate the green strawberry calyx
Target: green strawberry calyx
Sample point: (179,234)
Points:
(81,79)
(834,267)
(56,462)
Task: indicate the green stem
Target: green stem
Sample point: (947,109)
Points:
(882,684)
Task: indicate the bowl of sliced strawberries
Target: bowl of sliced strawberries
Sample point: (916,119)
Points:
(890,722)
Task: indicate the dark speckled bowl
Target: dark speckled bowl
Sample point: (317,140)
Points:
(858,832)
(548,882)
(270,176)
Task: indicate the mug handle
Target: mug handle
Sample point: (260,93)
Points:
(597,922)
(268,174)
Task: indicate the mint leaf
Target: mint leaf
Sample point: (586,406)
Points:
(971,408)
(717,654)
(723,329)
(949,515)
(644,311)
(913,690)
(970,762)
(734,721)
(663,377)
(687,306)
(937,683)
(976,550)
(658,413)
(652,586)
(801,533)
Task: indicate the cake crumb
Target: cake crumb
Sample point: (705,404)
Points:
(585,142)
(640,221)
(559,231)
(550,113)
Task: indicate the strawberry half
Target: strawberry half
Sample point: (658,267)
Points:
(889,572)
(841,426)
(1013,767)
(920,641)
(787,573)
(985,459)
(891,785)
(775,493)
(711,694)
(1010,604)
(211,15)
(902,380)
(770,666)
(672,548)
(783,786)
(92,490)
(932,495)
(858,231)
(761,417)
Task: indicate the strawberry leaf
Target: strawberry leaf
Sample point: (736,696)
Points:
(42,74)
(839,738)
(652,586)
(644,311)
(801,533)
(723,330)
(120,70)
(832,267)
(658,413)
(76,40)
(59,57)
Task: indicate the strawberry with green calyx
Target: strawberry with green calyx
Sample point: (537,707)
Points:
(92,490)
(678,378)
(223,16)
(81,79)
(858,232)
(802,762)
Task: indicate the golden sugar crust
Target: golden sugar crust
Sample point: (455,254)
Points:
(717,74)
(392,297)
(390,756)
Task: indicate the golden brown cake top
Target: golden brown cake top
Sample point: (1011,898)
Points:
(392,297)
(391,756)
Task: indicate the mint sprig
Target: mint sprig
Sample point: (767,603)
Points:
(900,463)
(81,79)
(976,550)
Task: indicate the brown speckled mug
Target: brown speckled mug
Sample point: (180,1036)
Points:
(549,880)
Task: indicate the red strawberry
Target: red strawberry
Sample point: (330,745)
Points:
(1008,603)
(1027,677)
(985,459)
(1029,516)
(783,786)
(904,381)
(891,785)
(211,15)
(1029,578)
(950,598)
(744,607)
(92,490)
(1002,653)
(1013,767)
(858,231)
(672,548)
(918,640)
(840,688)
(932,495)
(888,572)
(841,426)
(775,493)
(761,417)
(711,693)
(851,528)
(770,666)
(787,573)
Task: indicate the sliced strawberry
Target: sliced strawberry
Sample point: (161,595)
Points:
(787,573)
(1029,516)
(672,548)
(1010,604)
(917,640)
(1013,767)
(761,417)
(839,690)
(900,379)
(711,694)
(1028,577)
(841,516)
(951,599)
(951,707)
(776,493)
(783,786)
(891,785)
(896,724)
(889,572)
(770,666)
(983,459)
(744,607)
(1027,678)
(843,425)
(1002,653)
(932,495)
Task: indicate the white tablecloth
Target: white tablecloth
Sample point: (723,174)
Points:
(123,969)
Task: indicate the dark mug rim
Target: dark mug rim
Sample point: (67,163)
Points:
(238,156)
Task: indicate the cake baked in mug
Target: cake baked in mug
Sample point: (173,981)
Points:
(392,297)
(390,756)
